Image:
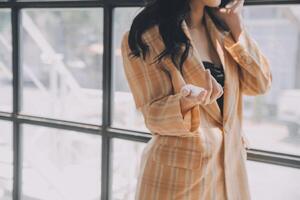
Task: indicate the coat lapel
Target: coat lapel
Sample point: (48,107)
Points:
(217,38)
(194,77)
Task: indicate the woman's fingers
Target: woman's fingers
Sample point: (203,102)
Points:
(200,97)
(234,6)
(204,96)
(185,91)
(193,92)
(238,6)
(196,91)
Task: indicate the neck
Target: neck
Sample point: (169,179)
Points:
(195,18)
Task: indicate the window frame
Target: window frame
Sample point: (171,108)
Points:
(105,130)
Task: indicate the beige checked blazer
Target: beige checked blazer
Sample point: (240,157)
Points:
(196,155)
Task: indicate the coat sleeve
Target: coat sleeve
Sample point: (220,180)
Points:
(154,96)
(255,73)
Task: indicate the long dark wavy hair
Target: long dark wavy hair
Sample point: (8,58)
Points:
(169,17)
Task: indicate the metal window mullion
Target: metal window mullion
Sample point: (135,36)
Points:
(16,70)
(273,158)
(107,98)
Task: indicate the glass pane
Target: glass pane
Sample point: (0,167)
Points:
(5,61)
(124,113)
(60,164)
(273,181)
(6,161)
(272,121)
(62,63)
(126,164)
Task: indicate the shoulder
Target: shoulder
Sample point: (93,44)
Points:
(149,36)
(152,38)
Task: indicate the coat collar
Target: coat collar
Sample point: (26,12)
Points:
(217,37)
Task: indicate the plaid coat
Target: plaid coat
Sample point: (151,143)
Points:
(198,154)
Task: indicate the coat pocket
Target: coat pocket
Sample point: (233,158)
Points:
(178,157)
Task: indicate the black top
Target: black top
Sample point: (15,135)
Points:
(218,73)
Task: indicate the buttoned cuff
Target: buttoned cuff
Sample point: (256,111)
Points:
(239,50)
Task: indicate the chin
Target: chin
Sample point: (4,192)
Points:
(212,3)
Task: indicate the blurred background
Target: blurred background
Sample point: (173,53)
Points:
(68,126)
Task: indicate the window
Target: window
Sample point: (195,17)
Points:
(272,121)
(126,159)
(123,104)
(6,158)
(69,122)
(273,181)
(5,61)
(60,164)
(62,63)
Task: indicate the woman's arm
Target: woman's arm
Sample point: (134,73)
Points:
(255,73)
(164,112)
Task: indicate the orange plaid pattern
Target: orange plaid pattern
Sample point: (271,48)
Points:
(196,154)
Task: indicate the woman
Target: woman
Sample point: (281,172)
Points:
(188,64)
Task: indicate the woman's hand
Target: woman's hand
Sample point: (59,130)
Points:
(191,95)
(194,93)
(232,16)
